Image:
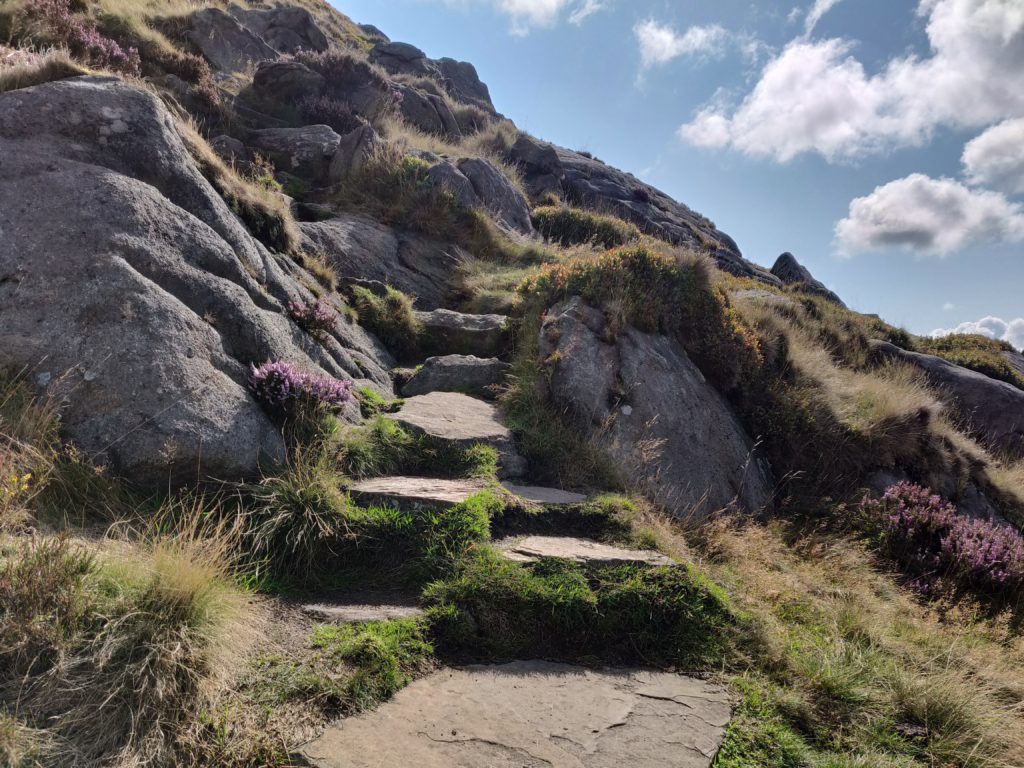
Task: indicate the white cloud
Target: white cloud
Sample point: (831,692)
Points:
(817,96)
(819,9)
(996,157)
(660,43)
(930,216)
(1011,331)
(587,8)
(949,306)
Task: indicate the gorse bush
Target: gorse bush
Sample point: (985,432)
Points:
(928,537)
(62,27)
(573,226)
(659,293)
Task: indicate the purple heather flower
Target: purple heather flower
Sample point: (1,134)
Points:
(280,385)
(315,317)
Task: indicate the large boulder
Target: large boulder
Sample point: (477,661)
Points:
(592,184)
(792,272)
(131,293)
(403,58)
(355,148)
(357,246)
(471,375)
(463,83)
(287,29)
(427,111)
(497,194)
(993,410)
(643,401)
(286,82)
(307,151)
(225,43)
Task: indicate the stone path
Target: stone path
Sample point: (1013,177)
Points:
(463,421)
(454,333)
(405,492)
(530,549)
(531,715)
(548,497)
(477,376)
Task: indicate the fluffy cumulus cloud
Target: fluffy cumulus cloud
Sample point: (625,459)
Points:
(819,9)
(660,44)
(996,157)
(930,216)
(1011,331)
(816,96)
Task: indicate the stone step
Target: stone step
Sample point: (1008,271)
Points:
(445,332)
(530,549)
(534,713)
(462,421)
(477,376)
(358,605)
(414,492)
(545,497)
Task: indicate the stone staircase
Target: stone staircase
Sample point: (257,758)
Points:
(525,713)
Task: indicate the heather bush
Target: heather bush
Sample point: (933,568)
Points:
(317,318)
(80,36)
(927,536)
(325,110)
(573,226)
(282,387)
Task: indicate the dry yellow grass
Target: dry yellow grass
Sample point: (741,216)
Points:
(53,65)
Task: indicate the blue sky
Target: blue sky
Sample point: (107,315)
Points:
(880,141)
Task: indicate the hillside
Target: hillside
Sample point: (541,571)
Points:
(342,423)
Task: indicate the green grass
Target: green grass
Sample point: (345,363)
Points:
(372,404)
(574,226)
(662,617)
(978,353)
(390,317)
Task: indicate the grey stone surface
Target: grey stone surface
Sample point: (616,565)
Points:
(993,410)
(461,80)
(643,401)
(1016,361)
(130,288)
(792,272)
(497,194)
(551,497)
(457,373)
(446,176)
(340,613)
(530,549)
(535,714)
(307,151)
(287,29)
(462,421)
(427,111)
(415,492)
(286,83)
(550,168)
(225,43)
(403,58)
(355,148)
(357,246)
(455,333)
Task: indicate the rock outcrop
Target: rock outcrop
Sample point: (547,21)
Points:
(590,183)
(643,401)
(226,44)
(287,29)
(993,410)
(458,78)
(307,152)
(457,373)
(359,247)
(792,272)
(131,293)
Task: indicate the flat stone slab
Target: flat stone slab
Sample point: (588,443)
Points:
(445,332)
(530,549)
(548,497)
(463,420)
(415,491)
(479,376)
(359,613)
(533,714)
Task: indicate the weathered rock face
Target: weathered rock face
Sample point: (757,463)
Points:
(643,401)
(226,44)
(592,184)
(446,332)
(497,194)
(403,58)
(286,30)
(463,83)
(792,272)
(357,246)
(130,291)
(993,410)
(427,111)
(1016,360)
(458,78)
(354,149)
(307,152)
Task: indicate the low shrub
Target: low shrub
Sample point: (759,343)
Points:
(928,537)
(325,110)
(285,389)
(663,617)
(390,317)
(317,318)
(574,226)
(978,353)
(659,293)
(55,20)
